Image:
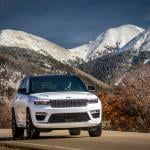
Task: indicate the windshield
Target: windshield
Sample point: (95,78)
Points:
(56,83)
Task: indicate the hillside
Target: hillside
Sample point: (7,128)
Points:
(18,62)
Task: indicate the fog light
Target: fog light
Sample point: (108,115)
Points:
(95,113)
(40,116)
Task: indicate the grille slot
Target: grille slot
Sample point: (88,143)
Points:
(68,103)
(69,117)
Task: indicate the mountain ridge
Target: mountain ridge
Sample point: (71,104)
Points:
(110,39)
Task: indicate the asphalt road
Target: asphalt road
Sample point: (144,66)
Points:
(61,140)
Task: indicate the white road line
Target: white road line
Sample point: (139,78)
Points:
(48,146)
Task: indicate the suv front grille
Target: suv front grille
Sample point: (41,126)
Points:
(68,103)
(69,117)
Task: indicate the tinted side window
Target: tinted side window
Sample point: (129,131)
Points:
(27,85)
(21,84)
(24,84)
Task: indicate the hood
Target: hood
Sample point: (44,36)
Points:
(65,95)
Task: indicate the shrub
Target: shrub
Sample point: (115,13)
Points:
(128,108)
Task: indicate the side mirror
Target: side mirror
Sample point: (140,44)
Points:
(91,88)
(22,91)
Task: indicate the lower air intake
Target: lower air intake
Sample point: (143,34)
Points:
(69,117)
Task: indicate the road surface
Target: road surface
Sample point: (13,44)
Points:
(61,140)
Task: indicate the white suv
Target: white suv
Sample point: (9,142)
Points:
(55,102)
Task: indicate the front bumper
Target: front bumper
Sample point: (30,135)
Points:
(45,124)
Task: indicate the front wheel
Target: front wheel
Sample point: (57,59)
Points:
(16,131)
(32,132)
(95,131)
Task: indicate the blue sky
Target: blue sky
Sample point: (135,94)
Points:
(70,23)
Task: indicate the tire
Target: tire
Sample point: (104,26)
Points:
(32,132)
(16,131)
(96,131)
(74,131)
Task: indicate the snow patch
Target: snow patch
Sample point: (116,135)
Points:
(139,43)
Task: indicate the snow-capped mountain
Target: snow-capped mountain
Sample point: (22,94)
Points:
(109,41)
(13,38)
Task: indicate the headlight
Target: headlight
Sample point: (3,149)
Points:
(41,102)
(91,101)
